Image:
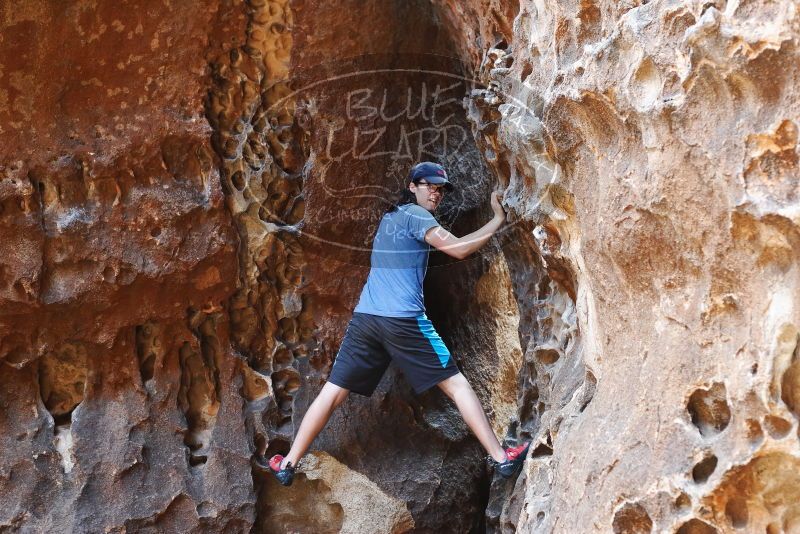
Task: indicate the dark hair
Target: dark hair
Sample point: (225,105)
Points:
(404,196)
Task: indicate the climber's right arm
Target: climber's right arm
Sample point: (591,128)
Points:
(461,247)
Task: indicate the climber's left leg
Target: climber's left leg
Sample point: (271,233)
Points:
(461,393)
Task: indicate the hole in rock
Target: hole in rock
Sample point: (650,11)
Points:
(283,357)
(709,409)
(542,449)
(704,468)
(527,70)
(683,502)
(238,180)
(198,395)
(148,345)
(286,382)
(197,459)
(62,385)
(288,330)
(736,511)
(547,356)
(109,276)
(754,432)
(632,518)
(589,388)
(255,386)
(695,526)
(292,384)
(790,382)
(777,427)
(277,446)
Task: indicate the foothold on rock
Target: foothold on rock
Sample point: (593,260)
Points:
(695,526)
(704,469)
(790,385)
(709,409)
(755,434)
(632,518)
(199,393)
(148,349)
(62,380)
(547,356)
(683,501)
(777,427)
(736,510)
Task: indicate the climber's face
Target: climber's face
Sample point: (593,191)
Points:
(428,195)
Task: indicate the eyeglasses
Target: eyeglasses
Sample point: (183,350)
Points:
(431,187)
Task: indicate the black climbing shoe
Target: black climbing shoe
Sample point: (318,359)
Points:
(284,476)
(516,457)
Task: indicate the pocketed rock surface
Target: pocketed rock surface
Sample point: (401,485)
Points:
(654,147)
(187,198)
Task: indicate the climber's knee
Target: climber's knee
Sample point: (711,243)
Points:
(333,395)
(454,385)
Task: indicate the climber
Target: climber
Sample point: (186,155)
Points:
(389,323)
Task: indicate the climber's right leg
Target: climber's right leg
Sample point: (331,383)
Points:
(358,367)
(314,420)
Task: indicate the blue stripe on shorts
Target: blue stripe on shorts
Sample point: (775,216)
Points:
(426,327)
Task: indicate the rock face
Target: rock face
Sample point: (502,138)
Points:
(188,194)
(654,147)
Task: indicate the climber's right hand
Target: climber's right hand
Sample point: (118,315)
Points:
(497,207)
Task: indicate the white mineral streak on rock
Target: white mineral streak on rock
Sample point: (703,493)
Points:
(63,445)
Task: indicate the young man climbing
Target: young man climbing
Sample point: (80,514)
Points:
(389,323)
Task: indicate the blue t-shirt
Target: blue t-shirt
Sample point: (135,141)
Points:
(398,264)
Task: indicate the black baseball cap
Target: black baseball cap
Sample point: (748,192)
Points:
(433,173)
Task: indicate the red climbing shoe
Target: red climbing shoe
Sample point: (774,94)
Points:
(284,476)
(516,457)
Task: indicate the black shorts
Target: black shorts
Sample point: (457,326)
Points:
(372,341)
